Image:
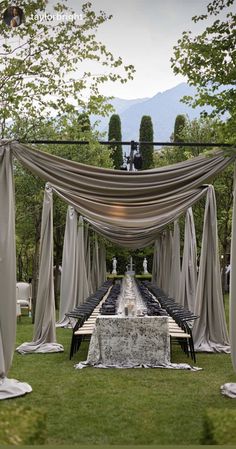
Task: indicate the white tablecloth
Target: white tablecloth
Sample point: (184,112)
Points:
(130,341)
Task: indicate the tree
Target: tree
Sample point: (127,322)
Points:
(146,135)
(29,189)
(208,61)
(178,152)
(178,128)
(84,124)
(114,133)
(43,63)
(204,130)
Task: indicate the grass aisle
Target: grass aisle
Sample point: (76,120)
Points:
(140,406)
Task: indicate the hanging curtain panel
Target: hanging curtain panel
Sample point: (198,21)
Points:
(9,388)
(210,331)
(95,264)
(69,275)
(102,262)
(233,283)
(88,264)
(44,339)
(160,261)
(188,283)
(174,290)
(83,287)
(166,260)
(155,263)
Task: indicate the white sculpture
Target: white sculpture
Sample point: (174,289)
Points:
(145,270)
(114,265)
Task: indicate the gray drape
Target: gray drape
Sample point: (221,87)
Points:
(8,387)
(83,288)
(44,339)
(188,282)
(155,262)
(233,282)
(129,208)
(69,275)
(102,262)
(95,271)
(174,290)
(7,263)
(166,260)
(210,331)
(88,263)
(160,259)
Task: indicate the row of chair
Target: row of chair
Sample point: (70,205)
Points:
(182,319)
(110,304)
(84,312)
(152,305)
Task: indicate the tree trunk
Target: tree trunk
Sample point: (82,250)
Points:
(20,268)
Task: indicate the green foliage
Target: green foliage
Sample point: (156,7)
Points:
(114,133)
(203,130)
(22,425)
(123,257)
(146,135)
(219,427)
(180,122)
(29,189)
(84,124)
(43,62)
(208,61)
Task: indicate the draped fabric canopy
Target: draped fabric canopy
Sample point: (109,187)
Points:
(129,208)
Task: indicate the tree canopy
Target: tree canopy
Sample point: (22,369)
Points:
(53,65)
(209,60)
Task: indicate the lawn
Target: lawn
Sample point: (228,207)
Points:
(139,406)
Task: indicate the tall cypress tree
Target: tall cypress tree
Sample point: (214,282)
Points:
(146,135)
(114,133)
(180,123)
(84,122)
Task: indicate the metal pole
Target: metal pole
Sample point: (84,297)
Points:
(132,142)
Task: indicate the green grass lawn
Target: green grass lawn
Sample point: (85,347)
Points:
(111,406)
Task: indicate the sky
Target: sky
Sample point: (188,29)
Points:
(143,33)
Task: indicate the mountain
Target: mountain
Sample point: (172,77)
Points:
(162,107)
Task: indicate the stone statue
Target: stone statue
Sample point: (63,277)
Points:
(145,270)
(114,265)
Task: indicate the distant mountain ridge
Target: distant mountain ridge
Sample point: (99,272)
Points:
(162,107)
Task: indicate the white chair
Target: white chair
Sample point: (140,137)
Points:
(18,311)
(24,295)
